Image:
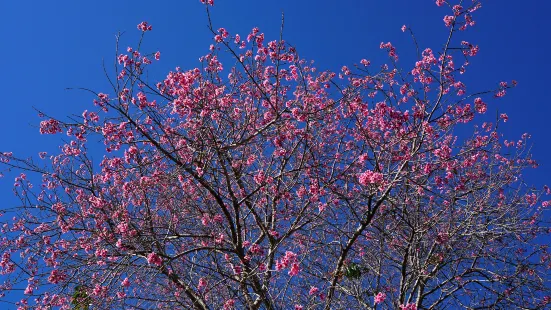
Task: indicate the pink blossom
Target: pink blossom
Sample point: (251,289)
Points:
(370,177)
(205,219)
(50,126)
(143,26)
(390,48)
(410,306)
(313,290)
(237,269)
(380,297)
(209,2)
(345,70)
(500,93)
(480,106)
(218,218)
(229,304)
(100,291)
(289,258)
(29,289)
(154,259)
(294,269)
(56,276)
(443,152)
(223,32)
(260,177)
(457,9)
(202,283)
(448,20)
(123,228)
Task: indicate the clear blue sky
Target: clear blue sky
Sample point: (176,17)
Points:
(48,46)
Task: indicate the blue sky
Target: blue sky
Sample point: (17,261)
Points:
(48,46)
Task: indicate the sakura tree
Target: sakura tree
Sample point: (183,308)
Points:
(271,184)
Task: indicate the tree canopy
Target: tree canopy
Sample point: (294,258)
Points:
(258,181)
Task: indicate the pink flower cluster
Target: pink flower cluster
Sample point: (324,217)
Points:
(443,152)
(448,20)
(144,26)
(6,263)
(229,304)
(100,291)
(289,260)
(313,290)
(380,297)
(391,50)
(202,283)
(480,106)
(470,49)
(154,259)
(50,126)
(57,276)
(370,177)
(260,177)
(410,306)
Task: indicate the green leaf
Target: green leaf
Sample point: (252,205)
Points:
(81,300)
(353,271)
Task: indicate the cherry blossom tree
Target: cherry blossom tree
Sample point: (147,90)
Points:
(272,184)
